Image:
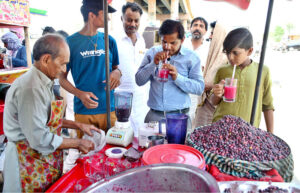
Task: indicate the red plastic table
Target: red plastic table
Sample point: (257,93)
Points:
(67,182)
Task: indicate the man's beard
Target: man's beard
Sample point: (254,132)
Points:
(196,36)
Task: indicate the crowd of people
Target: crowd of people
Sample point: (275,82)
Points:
(197,69)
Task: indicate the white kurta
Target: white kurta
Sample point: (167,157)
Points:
(26,113)
(201,51)
(130,57)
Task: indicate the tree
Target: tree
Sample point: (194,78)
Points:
(289,28)
(277,34)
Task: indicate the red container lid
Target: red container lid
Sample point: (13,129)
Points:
(174,153)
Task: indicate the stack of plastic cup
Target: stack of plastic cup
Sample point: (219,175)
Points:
(83,183)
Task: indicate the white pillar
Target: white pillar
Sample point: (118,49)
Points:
(152,11)
(174,9)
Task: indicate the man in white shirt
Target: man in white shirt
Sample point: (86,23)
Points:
(131,48)
(201,47)
(197,41)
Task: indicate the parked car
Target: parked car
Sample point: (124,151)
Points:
(293,45)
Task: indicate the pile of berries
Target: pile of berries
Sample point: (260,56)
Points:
(273,189)
(232,137)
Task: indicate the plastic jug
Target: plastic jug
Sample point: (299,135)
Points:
(176,127)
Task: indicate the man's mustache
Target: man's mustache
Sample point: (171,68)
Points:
(131,27)
(197,31)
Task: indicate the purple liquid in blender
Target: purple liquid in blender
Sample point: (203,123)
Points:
(123,114)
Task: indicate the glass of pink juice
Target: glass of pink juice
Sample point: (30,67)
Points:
(163,74)
(230,90)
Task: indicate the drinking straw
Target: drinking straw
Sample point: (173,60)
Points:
(167,53)
(166,60)
(232,78)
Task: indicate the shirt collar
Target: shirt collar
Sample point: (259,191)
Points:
(183,50)
(123,35)
(44,79)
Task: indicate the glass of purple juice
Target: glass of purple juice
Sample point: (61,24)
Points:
(123,103)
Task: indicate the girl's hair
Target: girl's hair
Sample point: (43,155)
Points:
(240,37)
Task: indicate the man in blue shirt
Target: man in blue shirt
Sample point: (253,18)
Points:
(87,65)
(184,69)
(18,51)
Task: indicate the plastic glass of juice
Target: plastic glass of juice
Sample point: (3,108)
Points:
(163,74)
(230,90)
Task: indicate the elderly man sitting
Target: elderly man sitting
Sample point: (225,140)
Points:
(32,122)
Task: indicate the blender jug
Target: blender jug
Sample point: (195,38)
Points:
(123,103)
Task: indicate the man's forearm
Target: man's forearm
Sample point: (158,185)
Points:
(70,124)
(143,74)
(68,86)
(269,119)
(69,143)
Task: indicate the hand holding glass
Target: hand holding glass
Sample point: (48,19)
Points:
(7,62)
(162,73)
(230,90)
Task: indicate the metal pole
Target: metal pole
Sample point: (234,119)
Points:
(105,6)
(28,52)
(261,61)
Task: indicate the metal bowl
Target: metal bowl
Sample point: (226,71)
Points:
(158,178)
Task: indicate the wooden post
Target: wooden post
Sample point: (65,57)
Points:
(152,11)
(27,45)
(174,9)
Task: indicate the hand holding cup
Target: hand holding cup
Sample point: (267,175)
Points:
(218,89)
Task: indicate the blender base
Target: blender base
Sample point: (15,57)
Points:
(121,134)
